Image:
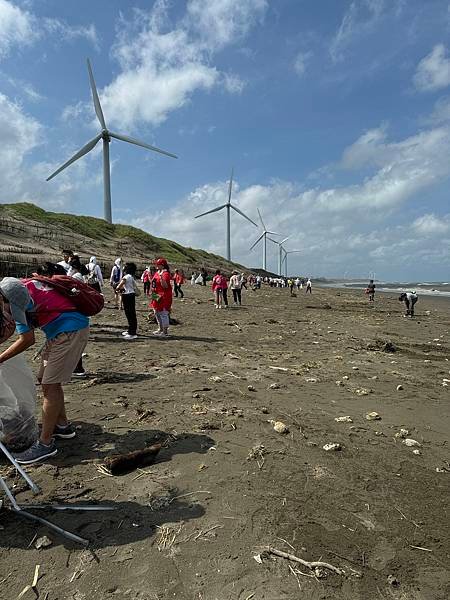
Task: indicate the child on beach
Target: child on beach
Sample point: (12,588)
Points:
(162,296)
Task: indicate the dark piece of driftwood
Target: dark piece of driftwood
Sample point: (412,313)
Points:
(119,464)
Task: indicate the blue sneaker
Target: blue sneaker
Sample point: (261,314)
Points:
(36,452)
(65,432)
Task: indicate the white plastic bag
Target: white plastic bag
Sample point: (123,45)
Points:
(18,427)
(199,280)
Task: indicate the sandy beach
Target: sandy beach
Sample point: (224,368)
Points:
(227,485)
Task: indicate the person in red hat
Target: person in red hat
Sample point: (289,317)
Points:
(162,296)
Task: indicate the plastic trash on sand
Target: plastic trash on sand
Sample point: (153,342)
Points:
(18,427)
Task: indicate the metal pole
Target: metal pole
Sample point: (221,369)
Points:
(280,260)
(25,475)
(228,234)
(106,182)
(286,265)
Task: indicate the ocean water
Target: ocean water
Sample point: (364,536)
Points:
(438,289)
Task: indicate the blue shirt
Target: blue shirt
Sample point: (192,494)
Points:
(65,323)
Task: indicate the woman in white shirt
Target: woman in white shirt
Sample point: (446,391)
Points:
(127,287)
(236,287)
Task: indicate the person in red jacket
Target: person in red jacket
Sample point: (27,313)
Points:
(220,287)
(178,280)
(162,296)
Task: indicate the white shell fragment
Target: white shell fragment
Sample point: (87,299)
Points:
(403,433)
(332,447)
(279,426)
(362,392)
(346,419)
(373,416)
(274,386)
(418,452)
(399,388)
(410,442)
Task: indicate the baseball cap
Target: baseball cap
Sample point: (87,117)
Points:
(18,297)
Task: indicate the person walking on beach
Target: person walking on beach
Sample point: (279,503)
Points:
(114,280)
(162,297)
(127,288)
(371,291)
(178,280)
(204,276)
(236,288)
(219,287)
(308,286)
(146,279)
(34,304)
(409,299)
(94,275)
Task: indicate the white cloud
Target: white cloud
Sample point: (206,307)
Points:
(222,22)
(162,67)
(429,224)
(360,19)
(441,112)
(433,71)
(301,62)
(20,28)
(16,27)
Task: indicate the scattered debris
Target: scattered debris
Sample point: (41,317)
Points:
(410,442)
(284,369)
(251,388)
(403,433)
(33,584)
(417,452)
(279,426)
(334,447)
(346,419)
(362,392)
(399,387)
(339,383)
(43,542)
(125,463)
(313,565)
(264,410)
(393,581)
(373,416)
(215,378)
(382,346)
(274,386)
(311,380)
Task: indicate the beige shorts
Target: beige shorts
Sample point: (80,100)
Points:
(61,355)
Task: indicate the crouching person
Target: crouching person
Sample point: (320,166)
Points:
(409,299)
(34,304)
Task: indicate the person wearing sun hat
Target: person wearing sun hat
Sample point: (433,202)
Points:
(32,305)
(161,296)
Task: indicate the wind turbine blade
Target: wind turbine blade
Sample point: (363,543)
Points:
(95,98)
(243,214)
(274,233)
(84,150)
(130,140)
(230,186)
(208,212)
(260,238)
(274,241)
(285,239)
(260,218)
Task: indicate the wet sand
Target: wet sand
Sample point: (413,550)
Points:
(227,484)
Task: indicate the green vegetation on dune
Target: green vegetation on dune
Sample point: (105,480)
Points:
(103,232)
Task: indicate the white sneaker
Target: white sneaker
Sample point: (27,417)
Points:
(157,332)
(124,332)
(129,337)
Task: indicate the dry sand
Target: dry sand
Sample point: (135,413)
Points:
(189,526)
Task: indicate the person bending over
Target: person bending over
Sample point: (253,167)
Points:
(409,299)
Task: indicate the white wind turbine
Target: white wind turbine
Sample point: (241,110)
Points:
(263,237)
(285,259)
(280,252)
(106,136)
(228,206)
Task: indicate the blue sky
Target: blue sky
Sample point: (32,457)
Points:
(334,114)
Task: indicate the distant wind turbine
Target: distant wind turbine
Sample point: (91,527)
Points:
(263,237)
(280,253)
(106,136)
(228,206)
(285,259)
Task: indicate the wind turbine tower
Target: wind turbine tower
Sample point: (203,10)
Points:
(285,259)
(105,135)
(228,207)
(263,237)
